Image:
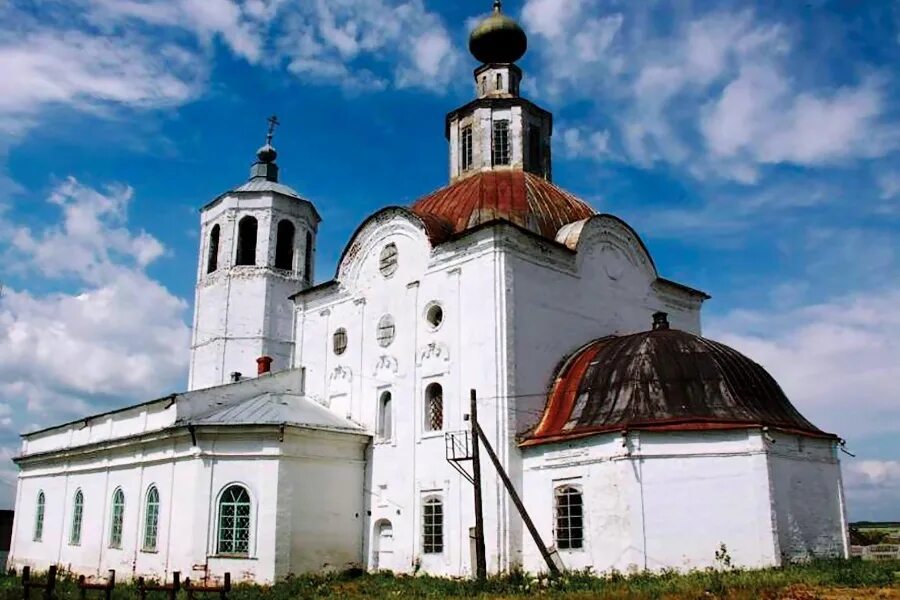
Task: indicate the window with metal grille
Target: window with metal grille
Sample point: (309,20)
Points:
(212,262)
(246,247)
(385,333)
(77,517)
(284,246)
(116,518)
(433,526)
(385,417)
(339,341)
(465,147)
(151,519)
(387,262)
(234,521)
(500,145)
(39,517)
(569,518)
(434,407)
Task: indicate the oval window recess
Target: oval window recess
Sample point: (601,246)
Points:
(387,262)
(434,315)
(385,332)
(339,341)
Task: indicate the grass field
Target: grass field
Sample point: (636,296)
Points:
(826,580)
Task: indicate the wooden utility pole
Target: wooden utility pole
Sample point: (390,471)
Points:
(480,559)
(479,434)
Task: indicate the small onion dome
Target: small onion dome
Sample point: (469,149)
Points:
(267,154)
(498,39)
(663,380)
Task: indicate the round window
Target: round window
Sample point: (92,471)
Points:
(385,332)
(434,314)
(387,262)
(339,341)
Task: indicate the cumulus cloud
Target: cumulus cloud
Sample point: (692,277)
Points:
(120,336)
(873,488)
(715,93)
(579,143)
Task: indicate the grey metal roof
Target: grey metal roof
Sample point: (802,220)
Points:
(260,184)
(273,408)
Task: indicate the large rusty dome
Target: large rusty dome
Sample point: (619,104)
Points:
(663,380)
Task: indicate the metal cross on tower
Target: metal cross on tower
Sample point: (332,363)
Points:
(273,123)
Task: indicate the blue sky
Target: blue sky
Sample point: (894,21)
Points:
(754,146)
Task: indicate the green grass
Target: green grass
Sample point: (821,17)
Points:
(731,584)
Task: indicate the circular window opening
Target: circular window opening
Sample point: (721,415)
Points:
(434,314)
(385,333)
(340,341)
(387,262)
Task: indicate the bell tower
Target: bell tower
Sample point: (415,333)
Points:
(499,130)
(257,248)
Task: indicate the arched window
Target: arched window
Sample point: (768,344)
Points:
(77,517)
(308,259)
(151,519)
(39,517)
(434,407)
(212,261)
(246,251)
(499,82)
(234,521)
(385,418)
(569,532)
(118,515)
(433,526)
(284,246)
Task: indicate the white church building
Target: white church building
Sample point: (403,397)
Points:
(315,429)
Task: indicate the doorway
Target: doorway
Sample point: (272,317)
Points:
(383,548)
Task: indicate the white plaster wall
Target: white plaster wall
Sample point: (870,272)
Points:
(807,497)
(658,501)
(244,312)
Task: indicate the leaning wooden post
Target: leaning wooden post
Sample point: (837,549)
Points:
(554,570)
(480,559)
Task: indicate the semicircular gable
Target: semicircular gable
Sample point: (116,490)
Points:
(608,233)
(385,222)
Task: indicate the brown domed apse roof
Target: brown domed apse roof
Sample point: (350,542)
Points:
(664,380)
(516,196)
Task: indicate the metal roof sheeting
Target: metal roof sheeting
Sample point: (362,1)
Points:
(274,409)
(662,380)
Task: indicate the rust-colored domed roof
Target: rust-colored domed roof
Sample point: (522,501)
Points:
(666,380)
(516,196)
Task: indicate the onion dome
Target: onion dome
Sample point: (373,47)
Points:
(662,380)
(266,154)
(519,197)
(498,38)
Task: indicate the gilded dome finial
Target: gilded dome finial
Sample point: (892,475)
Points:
(498,38)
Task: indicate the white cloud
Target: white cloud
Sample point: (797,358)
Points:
(873,488)
(717,93)
(837,361)
(120,337)
(578,143)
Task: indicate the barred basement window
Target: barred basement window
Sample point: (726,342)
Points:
(339,341)
(385,332)
(465,147)
(234,521)
(39,517)
(434,407)
(117,516)
(433,526)
(151,519)
(500,145)
(77,517)
(387,262)
(569,518)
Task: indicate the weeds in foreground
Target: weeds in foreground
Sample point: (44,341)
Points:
(798,582)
